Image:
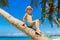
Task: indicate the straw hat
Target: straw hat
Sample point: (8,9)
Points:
(29,7)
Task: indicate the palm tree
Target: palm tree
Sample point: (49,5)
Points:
(20,24)
(50,12)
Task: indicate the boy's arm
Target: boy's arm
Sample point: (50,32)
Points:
(24,17)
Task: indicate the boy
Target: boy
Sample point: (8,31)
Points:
(28,20)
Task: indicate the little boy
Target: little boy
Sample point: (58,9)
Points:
(28,20)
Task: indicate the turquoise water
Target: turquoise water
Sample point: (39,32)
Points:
(26,38)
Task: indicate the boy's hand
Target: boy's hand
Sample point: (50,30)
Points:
(24,19)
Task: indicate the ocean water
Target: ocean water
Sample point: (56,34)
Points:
(26,38)
(19,38)
(55,38)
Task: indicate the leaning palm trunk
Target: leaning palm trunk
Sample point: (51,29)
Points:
(20,25)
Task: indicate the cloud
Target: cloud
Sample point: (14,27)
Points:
(53,32)
(14,34)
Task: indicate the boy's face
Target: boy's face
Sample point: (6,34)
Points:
(29,10)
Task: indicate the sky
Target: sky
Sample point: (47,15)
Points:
(17,8)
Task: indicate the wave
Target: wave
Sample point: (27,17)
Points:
(55,37)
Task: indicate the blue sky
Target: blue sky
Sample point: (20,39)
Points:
(17,9)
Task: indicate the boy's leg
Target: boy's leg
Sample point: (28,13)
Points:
(36,23)
(32,23)
(37,27)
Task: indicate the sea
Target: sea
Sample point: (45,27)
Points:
(14,38)
(55,37)
(27,38)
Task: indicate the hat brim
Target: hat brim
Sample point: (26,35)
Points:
(29,8)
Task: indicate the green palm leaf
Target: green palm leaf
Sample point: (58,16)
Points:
(3,3)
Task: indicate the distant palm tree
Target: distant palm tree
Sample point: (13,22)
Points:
(50,12)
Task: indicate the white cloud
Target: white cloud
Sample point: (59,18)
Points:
(53,32)
(14,34)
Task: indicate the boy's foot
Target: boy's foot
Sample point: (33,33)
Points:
(39,33)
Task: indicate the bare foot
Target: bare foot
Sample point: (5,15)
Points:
(38,33)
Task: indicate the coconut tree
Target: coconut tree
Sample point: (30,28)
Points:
(20,24)
(50,13)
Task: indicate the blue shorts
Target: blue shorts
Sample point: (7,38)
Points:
(28,24)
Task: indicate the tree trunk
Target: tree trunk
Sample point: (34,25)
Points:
(19,24)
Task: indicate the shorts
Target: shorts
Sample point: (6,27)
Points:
(28,24)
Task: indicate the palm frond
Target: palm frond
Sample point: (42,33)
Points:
(3,2)
(43,5)
(34,3)
(57,22)
(58,5)
(50,19)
